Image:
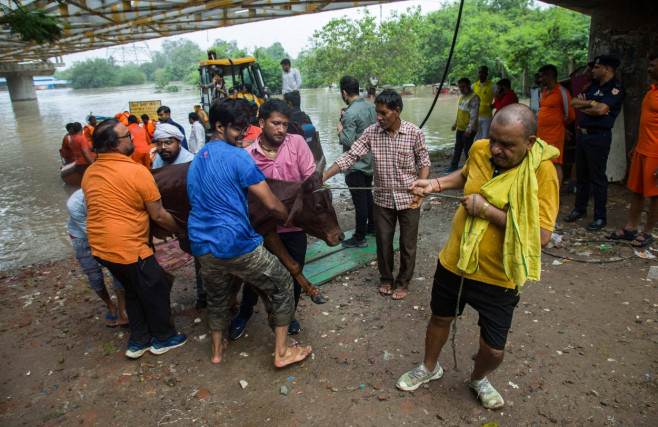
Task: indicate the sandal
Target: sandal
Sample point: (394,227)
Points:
(625,235)
(642,240)
(114,319)
(400,293)
(385,289)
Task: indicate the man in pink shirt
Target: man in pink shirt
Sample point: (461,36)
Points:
(287,157)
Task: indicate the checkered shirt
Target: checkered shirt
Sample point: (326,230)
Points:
(397,161)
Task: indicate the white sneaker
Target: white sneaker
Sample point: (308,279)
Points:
(488,395)
(418,376)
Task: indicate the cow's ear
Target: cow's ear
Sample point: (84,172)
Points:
(296,207)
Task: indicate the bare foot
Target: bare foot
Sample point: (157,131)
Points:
(217,347)
(111,316)
(293,355)
(400,293)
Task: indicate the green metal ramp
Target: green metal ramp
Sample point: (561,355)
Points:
(323,262)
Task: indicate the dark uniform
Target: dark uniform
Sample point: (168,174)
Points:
(593,146)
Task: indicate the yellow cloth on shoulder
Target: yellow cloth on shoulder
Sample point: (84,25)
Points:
(517,189)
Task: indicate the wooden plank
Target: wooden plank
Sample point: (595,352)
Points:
(323,263)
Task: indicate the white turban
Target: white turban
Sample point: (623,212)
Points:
(166,130)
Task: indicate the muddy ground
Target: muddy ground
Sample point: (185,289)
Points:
(582,349)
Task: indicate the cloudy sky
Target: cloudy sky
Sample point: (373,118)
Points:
(293,33)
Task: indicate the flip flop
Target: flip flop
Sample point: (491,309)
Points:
(646,240)
(385,289)
(626,235)
(399,294)
(112,318)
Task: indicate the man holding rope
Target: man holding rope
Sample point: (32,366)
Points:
(506,215)
(399,156)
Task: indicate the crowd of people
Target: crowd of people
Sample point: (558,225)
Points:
(510,182)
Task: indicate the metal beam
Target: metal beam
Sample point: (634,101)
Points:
(92,24)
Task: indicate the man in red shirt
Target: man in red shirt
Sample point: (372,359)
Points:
(141,142)
(88,130)
(643,177)
(555,112)
(65,151)
(80,148)
(505,95)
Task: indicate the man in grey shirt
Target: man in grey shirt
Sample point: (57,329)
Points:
(358,115)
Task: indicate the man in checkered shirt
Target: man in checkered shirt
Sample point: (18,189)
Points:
(400,156)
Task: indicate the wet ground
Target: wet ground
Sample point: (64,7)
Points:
(582,349)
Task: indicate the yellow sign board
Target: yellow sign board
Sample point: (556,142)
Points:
(145,107)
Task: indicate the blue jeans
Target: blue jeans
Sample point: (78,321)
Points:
(92,269)
(591,160)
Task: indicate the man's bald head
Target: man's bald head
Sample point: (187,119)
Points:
(518,113)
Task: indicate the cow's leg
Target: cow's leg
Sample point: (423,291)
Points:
(274,244)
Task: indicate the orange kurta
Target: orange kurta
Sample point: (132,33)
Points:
(555,112)
(141,142)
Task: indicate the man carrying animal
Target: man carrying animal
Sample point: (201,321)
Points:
(400,156)
(121,198)
(506,215)
(286,157)
(221,234)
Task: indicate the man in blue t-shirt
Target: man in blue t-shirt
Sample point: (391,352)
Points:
(221,234)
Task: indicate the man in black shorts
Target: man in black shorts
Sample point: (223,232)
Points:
(509,206)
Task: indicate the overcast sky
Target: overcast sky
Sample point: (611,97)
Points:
(293,33)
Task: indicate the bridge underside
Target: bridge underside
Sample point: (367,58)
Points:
(94,24)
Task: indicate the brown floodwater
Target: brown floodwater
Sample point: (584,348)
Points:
(33,197)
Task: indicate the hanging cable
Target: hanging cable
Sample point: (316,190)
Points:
(445,71)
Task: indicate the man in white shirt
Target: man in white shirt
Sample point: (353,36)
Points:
(197,134)
(291,79)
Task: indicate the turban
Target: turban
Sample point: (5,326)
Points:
(166,130)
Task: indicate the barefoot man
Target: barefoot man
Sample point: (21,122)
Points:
(222,237)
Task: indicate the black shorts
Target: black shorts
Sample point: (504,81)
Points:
(494,304)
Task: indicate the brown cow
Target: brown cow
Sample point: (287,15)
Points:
(309,210)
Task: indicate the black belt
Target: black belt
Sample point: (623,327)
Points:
(592,131)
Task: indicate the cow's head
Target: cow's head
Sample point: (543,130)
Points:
(314,212)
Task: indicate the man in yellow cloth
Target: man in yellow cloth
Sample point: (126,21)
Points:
(506,215)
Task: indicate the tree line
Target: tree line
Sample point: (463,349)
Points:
(512,37)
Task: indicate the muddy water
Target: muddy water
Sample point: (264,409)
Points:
(32,201)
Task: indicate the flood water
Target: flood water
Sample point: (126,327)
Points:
(33,197)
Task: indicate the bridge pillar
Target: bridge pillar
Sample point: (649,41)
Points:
(19,78)
(21,87)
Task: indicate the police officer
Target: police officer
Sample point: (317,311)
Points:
(600,104)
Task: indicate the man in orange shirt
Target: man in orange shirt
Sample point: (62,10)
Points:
(88,130)
(122,117)
(121,198)
(148,125)
(643,177)
(141,142)
(555,112)
(80,148)
(65,151)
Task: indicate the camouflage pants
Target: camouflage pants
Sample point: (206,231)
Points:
(260,268)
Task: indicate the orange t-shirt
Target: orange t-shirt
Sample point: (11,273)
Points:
(117,190)
(88,131)
(122,117)
(647,138)
(141,139)
(555,111)
(67,153)
(149,127)
(77,142)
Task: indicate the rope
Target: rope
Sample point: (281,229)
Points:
(453,341)
(595,261)
(445,70)
(325,188)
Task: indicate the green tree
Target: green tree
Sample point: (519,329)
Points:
(182,57)
(94,73)
(225,49)
(130,75)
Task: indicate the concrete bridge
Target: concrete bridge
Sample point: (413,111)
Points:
(95,24)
